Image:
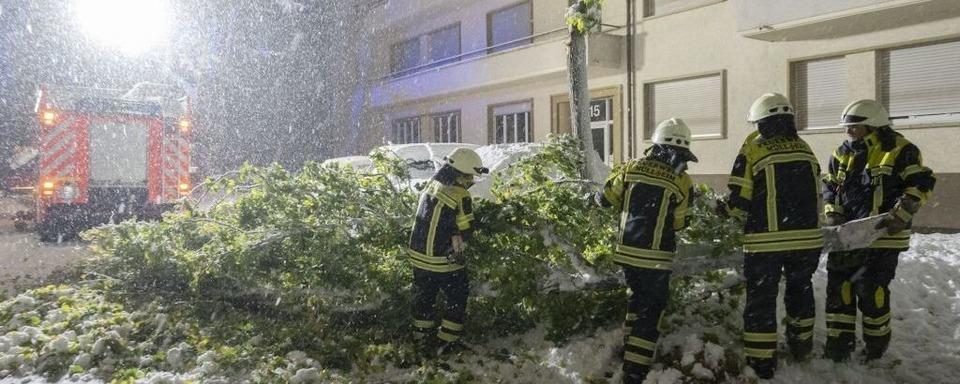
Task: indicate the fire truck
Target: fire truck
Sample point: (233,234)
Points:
(108,155)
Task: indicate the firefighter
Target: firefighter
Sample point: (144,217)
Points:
(437,243)
(653,194)
(875,171)
(774,192)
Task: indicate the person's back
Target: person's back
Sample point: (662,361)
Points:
(780,193)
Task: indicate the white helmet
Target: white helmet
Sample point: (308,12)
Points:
(865,112)
(466,161)
(673,132)
(768,105)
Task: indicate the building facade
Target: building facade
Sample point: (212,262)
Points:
(494,71)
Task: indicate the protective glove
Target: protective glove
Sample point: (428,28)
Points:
(458,246)
(834,218)
(901,214)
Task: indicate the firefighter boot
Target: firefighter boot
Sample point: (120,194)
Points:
(635,376)
(763,367)
(425,345)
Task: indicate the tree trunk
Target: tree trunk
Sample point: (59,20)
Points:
(580,100)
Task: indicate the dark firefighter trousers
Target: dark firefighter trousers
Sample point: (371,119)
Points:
(650,290)
(427,285)
(859,279)
(763,271)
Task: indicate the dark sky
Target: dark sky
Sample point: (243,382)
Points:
(271,80)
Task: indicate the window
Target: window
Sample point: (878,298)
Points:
(819,92)
(446,127)
(921,84)
(438,47)
(510,25)
(699,101)
(664,7)
(405,55)
(511,123)
(406,131)
(443,44)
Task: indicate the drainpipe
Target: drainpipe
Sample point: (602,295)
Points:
(631,79)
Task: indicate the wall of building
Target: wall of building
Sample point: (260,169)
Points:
(707,38)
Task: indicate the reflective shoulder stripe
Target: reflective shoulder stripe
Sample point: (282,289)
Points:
(784,158)
(641,178)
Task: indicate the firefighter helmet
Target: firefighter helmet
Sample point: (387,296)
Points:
(769,104)
(466,161)
(674,132)
(865,112)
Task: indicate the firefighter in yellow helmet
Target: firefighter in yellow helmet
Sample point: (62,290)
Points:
(653,194)
(437,242)
(875,171)
(774,191)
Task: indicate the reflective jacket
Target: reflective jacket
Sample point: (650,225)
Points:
(444,211)
(868,176)
(774,189)
(653,198)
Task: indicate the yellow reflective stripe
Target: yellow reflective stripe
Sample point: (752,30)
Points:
(435,189)
(645,253)
(757,352)
(641,263)
(463,222)
(846,292)
(797,234)
(915,192)
(837,208)
(742,182)
(432,232)
(446,336)
(891,243)
(631,316)
(738,213)
(772,220)
(424,323)
(805,335)
(792,245)
(637,358)
(436,268)
(451,325)
(879,297)
(784,158)
(842,318)
(639,178)
(877,321)
(624,212)
(661,219)
(802,322)
(427,259)
(645,344)
(760,337)
(876,332)
(911,169)
(834,332)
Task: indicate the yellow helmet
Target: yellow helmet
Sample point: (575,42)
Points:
(466,161)
(768,105)
(865,112)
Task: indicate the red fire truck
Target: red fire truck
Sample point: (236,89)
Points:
(107,155)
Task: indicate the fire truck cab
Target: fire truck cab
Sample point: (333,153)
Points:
(108,155)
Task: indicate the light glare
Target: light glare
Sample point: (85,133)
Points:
(132,26)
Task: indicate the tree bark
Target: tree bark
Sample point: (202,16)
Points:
(580,100)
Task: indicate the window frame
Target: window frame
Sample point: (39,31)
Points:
(416,133)
(882,93)
(519,42)
(649,6)
(424,50)
(492,121)
(437,133)
(647,109)
(795,99)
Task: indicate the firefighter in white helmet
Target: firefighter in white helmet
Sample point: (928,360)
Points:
(875,171)
(774,192)
(653,194)
(437,242)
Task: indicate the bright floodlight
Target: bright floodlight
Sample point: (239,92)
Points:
(132,26)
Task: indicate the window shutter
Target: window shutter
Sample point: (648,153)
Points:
(922,84)
(819,92)
(697,101)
